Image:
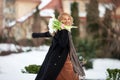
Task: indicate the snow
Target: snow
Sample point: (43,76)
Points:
(100,66)
(7,47)
(47,12)
(10,24)
(43,3)
(22,19)
(11,65)
(101,9)
(50,12)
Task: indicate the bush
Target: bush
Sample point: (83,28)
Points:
(88,65)
(31,69)
(113,74)
(3,39)
(87,48)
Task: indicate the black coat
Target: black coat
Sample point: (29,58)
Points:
(56,56)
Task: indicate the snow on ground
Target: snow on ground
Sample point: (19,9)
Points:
(99,68)
(11,65)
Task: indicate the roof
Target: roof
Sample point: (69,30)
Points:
(30,0)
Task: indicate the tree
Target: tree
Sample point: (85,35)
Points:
(76,21)
(36,26)
(113,31)
(106,32)
(92,17)
(93,29)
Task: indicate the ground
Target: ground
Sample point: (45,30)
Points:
(12,65)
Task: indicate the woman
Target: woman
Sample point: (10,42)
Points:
(61,62)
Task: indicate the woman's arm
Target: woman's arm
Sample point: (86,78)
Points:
(38,35)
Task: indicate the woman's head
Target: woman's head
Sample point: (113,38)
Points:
(66,19)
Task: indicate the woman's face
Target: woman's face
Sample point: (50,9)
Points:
(66,20)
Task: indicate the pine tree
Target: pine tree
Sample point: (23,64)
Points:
(92,12)
(76,21)
(92,16)
(36,26)
(93,28)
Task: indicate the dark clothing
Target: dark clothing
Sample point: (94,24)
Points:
(53,63)
(38,35)
(55,57)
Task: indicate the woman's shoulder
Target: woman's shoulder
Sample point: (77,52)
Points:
(61,33)
(63,30)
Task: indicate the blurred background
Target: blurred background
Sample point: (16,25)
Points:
(96,38)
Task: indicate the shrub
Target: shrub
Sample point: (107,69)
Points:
(31,69)
(88,65)
(113,74)
(87,48)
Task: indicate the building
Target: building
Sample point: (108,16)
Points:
(24,28)
(1,16)
(9,12)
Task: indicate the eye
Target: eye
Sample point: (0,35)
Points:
(69,19)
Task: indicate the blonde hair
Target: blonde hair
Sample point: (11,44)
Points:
(60,17)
